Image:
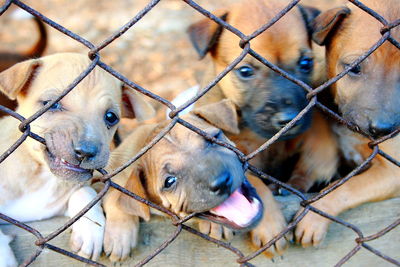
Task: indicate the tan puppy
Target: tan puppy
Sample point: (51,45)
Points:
(265,101)
(39,182)
(186,173)
(367,96)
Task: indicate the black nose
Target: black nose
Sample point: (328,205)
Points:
(284,118)
(222,184)
(378,129)
(86,150)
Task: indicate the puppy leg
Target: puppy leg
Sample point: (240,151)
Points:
(272,222)
(7,258)
(319,156)
(121,233)
(88,231)
(380,182)
(215,230)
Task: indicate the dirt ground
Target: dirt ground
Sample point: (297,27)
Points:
(155,53)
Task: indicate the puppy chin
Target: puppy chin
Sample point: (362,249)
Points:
(65,170)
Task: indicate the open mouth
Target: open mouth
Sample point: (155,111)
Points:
(59,164)
(241,210)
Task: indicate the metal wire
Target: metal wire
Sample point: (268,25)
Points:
(245,44)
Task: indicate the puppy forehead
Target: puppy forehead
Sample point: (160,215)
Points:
(59,71)
(284,39)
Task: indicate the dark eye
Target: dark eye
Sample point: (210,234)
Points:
(245,72)
(355,71)
(170,181)
(306,64)
(54,107)
(111,118)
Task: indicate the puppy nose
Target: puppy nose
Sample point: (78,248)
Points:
(284,118)
(86,150)
(222,184)
(378,129)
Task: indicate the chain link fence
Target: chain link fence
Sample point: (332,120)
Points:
(42,242)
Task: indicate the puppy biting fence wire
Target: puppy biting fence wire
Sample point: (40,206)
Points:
(387,37)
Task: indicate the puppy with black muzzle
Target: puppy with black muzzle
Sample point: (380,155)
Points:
(39,182)
(187,174)
(368,97)
(266,101)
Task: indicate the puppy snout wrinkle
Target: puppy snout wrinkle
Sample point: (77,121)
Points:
(222,184)
(86,150)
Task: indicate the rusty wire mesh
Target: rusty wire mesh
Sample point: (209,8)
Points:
(245,44)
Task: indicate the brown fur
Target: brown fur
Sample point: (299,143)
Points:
(347,32)
(282,44)
(181,148)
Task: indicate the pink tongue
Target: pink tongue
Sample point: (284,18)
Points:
(237,209)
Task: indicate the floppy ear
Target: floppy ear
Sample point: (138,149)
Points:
(205,33)
(309,14)
(134,105)
(324,25)
(221,114)
(130,205)
(15,80)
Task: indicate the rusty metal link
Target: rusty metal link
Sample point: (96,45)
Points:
(245,43)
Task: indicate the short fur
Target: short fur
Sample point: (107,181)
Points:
(38,182)
(187,155)
(266,103)
(368,97)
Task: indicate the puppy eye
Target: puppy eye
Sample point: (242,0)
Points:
(110,118)
(170,181)
(245,72)
(354,71)
(306,64)
(54,107)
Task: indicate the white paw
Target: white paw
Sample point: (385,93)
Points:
(215,230)
(87,237)
(7,258)
(120,237)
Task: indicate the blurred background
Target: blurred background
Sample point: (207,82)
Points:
(155,53)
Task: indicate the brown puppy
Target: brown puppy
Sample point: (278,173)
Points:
(367,96)
(186,173)
(39,182)
(265,101)
(8,59)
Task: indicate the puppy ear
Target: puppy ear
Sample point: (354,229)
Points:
(324,25)
(205,33)
(130,205)
(309,14)
(134,105)
(15,80)
(222,114)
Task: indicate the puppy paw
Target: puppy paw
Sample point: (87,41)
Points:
(215,230)
(311,230)
(7,258)
(120,237)
(87,237)
(266,231)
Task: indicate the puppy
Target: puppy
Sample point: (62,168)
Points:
(266,101)
(367,96)
(39,182)
(8,59)
(186,173)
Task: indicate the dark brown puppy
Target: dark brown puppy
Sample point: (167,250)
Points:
(8,59)
(265,101)
(367,96)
